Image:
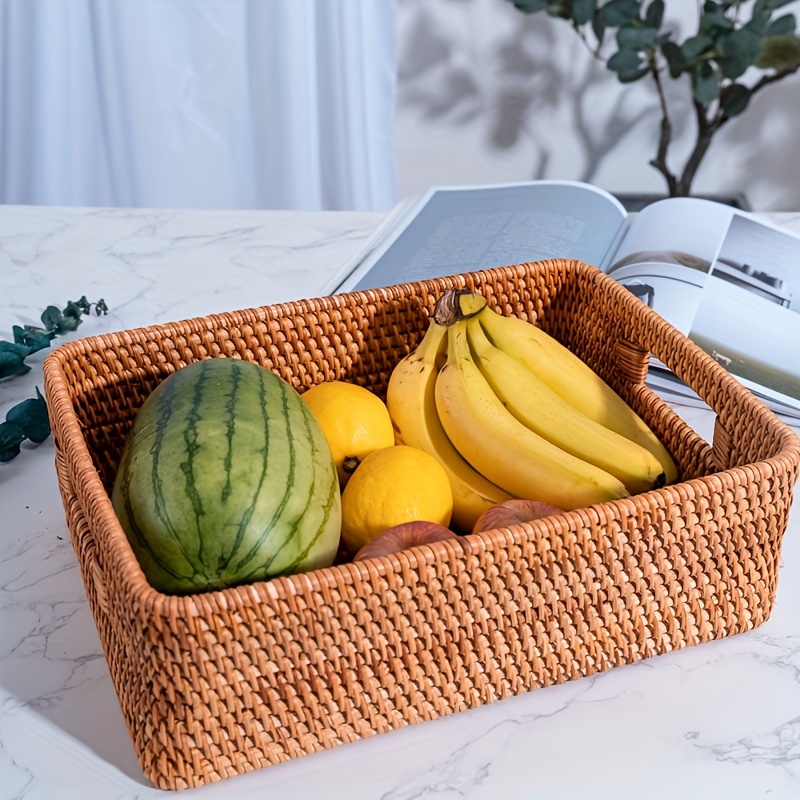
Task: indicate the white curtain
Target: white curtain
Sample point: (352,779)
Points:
(198,103)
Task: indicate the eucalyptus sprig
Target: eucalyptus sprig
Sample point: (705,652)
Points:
(26,420)
(738,48)
(29,419)
(31,338)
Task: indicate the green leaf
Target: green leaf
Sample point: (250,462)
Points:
(12,364)
(725,16)
(598,29)
(781,53)
(782,25)
(51,317)
(705,84)
(674,57)
(625,61)
(733,68)
(530,6)
(631,75)
(758,23)
(654,15)
(695,46)
(734,99)
(84,305)
(11,437)
(14,347)
(32,338)
(738,51)
(73,309)
(12,359)
(635,38)
(714,19)
(618,12)
(583,10)
(67,323)
(31,417)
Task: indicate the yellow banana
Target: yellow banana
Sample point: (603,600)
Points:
(539,408)
(412,406)
(502,448)
(575,381)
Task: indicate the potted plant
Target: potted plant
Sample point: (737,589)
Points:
(738,49)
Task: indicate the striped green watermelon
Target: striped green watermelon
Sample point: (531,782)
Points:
(226,478)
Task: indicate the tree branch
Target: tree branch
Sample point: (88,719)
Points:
(705,131)
(765,80)
(665,132)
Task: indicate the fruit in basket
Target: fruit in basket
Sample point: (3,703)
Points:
(355,422)
(502,448)
(410,398)
(573,380)
(512,512)
(391,486)
(545,412)
(473,396)
(225,478)
(401,537)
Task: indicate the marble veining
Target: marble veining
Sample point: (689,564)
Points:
(721,720)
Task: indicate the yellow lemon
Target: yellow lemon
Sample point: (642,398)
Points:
(391,486)
(354,420)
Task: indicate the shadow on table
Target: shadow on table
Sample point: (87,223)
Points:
(52,663)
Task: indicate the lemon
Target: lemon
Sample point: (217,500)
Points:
(391,486)
(354,420)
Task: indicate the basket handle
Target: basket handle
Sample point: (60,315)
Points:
(632,361)
(722,445)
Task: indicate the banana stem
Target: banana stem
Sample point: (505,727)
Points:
(457,304)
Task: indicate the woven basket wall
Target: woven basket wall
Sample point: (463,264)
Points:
(219,683)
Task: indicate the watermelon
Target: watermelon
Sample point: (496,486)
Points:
(226,478)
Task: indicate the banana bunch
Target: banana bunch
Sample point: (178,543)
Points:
(411,400)
(510,412)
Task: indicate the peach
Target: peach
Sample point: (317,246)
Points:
(403,536)
(512,512)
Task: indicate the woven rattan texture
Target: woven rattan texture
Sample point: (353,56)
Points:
(219,683)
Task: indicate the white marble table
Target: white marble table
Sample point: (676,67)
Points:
(720,720)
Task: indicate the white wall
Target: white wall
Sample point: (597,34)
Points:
(488,94)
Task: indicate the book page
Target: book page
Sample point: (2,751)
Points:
(748,318)
(727,281)
(463,229)
(666,254)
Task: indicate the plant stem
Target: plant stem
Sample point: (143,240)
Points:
(705,132)
(706,129)
(665,133)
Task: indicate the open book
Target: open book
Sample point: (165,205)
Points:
(726,280)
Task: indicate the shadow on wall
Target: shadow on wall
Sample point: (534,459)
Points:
(488,94)
(510,82)
(763,146)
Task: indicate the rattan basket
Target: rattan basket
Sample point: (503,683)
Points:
(219,683)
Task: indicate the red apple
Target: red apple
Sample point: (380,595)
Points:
(512,512)
(400,537)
